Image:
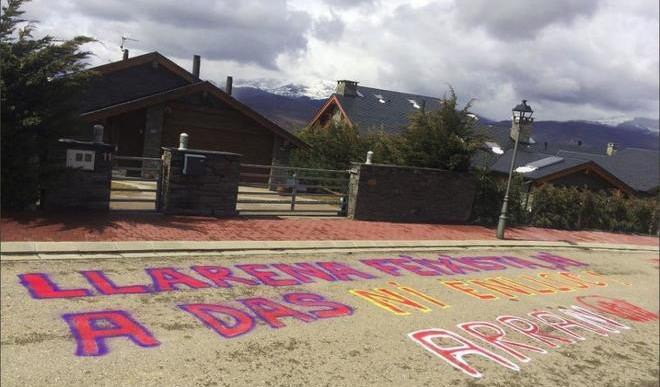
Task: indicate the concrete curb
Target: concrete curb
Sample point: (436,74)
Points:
(12,251)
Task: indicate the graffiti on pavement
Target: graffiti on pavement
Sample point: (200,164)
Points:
(435,340)
(619,308)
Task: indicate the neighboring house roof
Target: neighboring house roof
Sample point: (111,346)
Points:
(636,168)
(502,136)
(379,109)
(133,84)
(550,167)
(639,168)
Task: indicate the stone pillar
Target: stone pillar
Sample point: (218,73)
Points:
(153,132)
(395,193)
(79,176)
(199,182)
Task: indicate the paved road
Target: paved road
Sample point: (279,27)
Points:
(361,319)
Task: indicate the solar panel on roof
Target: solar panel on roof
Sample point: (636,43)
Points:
(534,165)
(546,162)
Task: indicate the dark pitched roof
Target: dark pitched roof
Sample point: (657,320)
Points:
(368,112)
(133,78)
(639,168)
(557,165)
(501,135)
(503,163)
(201,86)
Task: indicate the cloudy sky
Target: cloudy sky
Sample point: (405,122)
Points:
(572,59)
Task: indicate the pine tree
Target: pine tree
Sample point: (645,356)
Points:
(39,83)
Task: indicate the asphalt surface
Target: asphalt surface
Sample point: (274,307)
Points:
(326,332)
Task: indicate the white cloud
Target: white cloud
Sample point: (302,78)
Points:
(572,59)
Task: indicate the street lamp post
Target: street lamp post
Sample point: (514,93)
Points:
(521,121)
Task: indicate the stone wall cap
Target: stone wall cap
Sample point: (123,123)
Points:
(202,151)
(408,167)
(87,144)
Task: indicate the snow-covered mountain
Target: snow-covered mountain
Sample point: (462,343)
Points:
(313,90)
(292,106)
(625,122)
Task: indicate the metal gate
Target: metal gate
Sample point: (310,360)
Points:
(278,190)
(136,183)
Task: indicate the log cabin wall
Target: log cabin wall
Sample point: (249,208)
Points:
(217,127)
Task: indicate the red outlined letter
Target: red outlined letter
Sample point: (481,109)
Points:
(91,336)
(271,311)
(532,330)
(207,313)
(331,309)
(166,279)
(266,276)
(221,276)
(40,286)
(303,271)
(559,262)
(473,328)
(106,287)
(454,355)
(618,308)
(564,324)
(386,265)
(343,272)
(592,318)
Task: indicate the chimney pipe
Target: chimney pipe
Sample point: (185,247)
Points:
(125,54)
(195,69)
(611,149)
(228,85)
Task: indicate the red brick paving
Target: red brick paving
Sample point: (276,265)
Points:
(125,227)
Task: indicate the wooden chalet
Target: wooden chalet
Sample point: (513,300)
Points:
(145,102)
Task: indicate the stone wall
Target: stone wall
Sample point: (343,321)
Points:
(211,193)
(395,193)
(68,188)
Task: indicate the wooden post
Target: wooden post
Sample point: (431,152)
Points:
(294,192)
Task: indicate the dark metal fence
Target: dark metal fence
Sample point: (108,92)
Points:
(136,183)
(279,190)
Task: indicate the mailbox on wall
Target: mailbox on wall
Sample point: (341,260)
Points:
(82,159)
(194,165)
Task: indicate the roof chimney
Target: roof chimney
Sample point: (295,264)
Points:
(347,88)
(228,85)
(125,54)
(611,148)
(196,60)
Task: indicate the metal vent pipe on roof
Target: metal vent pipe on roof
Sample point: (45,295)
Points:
(196,63)
(228,85)
(183,141)
(125,54)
